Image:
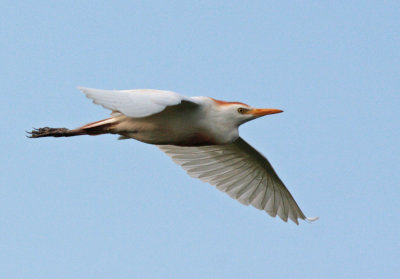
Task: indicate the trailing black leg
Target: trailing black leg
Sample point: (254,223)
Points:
(55,132)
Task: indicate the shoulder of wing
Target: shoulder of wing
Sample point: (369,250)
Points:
(137,102)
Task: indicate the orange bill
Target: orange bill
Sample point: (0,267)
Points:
(262,112)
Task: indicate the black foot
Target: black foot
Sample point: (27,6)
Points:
(48,132)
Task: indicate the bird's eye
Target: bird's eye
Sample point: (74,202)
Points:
(242,110)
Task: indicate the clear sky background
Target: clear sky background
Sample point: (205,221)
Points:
(96,207)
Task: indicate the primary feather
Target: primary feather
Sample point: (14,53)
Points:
(240,171)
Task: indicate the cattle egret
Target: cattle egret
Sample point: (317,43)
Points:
(201,135)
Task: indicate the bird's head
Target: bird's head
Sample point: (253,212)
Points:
(241,113)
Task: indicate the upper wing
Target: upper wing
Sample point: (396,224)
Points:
(135,103)
(240,171)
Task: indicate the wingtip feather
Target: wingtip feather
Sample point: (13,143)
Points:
(311,219)
(81,88)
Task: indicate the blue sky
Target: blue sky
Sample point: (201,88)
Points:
(95,207)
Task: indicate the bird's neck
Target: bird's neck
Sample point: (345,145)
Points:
(217,124)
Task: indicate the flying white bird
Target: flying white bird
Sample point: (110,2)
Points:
(200,134)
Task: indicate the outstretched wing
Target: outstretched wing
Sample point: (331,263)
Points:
(135,103)
(240,171)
